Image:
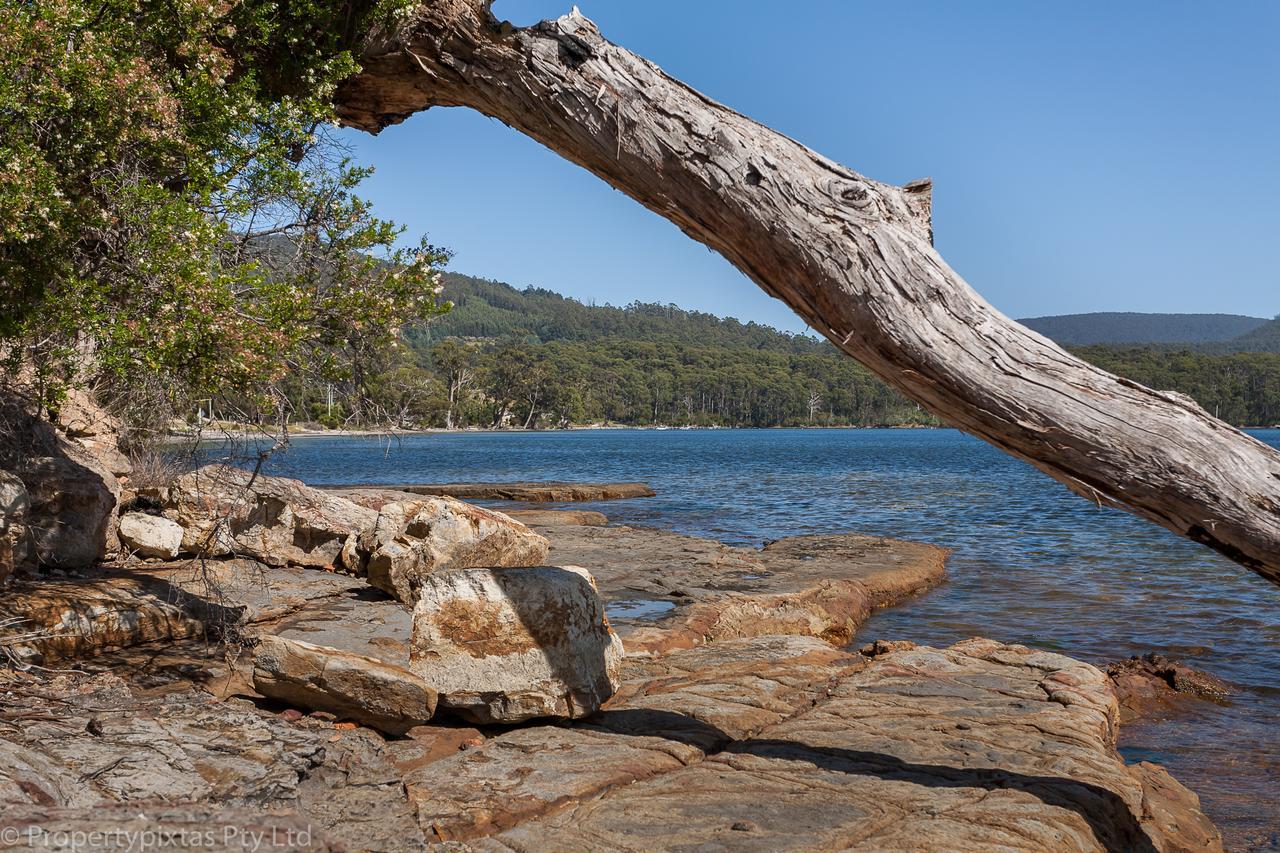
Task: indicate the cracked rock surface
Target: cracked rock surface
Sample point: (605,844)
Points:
(736,723)
(755,743)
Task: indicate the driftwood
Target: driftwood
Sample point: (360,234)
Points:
(852,256)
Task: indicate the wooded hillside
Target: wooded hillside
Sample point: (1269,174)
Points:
(536,357)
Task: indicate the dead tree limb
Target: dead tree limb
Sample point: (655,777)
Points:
(852,256)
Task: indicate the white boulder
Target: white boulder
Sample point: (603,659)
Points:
(150,535)
(414,538)
(507,645)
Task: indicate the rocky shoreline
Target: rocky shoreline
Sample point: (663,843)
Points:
(548,492)
(758,743)
(735,722)
(230,660)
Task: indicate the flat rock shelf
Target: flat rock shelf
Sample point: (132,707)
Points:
(669,591)
(528,492)
(740,722)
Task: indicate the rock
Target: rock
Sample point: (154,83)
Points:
(86,741)
(977,747)
(1154,686)
(70,479)
(524,773)
(412,539)
(203,827)
(532,492)
(71,518)
(758,743)
(507,645)
(884,647)
(78,416)
(357,795)
(14,507)
(430,743)
(672,711)
(95,430)
(359,620)
(355,687)
(372,498)
(150,535)
(666,591)
(14,501)
(95,754)
(88,613)
(278,521)
(556,517)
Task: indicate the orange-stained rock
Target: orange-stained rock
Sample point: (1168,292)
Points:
(977,747)
(507,645)
(554,517)
(355,687)
(1153,686)
(669,591)
(530,492)
(85,613)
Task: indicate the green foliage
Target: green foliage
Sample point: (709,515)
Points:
(649,364)
(147,153)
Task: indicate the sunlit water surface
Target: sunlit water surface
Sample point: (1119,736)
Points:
(1032,563)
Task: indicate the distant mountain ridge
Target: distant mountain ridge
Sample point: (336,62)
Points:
(1118,328)
(491,309)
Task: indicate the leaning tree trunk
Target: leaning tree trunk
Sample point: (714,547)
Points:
(852,256)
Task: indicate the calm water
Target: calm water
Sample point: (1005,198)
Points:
(1032,563)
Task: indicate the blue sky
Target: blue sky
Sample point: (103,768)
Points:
(1086,156)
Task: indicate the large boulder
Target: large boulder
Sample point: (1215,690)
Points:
(72,516)
(83,422)
(508,645)
(360,688)
(413,538)
(150,535)
(14,506)
(225,510)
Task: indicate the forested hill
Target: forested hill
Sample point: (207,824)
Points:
(491,309)
(533,357)
(1137,328)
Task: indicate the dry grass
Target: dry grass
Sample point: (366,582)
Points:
(158,468)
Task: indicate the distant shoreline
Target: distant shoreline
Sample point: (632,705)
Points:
(240,434)
(207,434)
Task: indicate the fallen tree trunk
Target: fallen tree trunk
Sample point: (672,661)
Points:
(852,256)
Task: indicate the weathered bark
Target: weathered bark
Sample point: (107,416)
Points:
(852,256)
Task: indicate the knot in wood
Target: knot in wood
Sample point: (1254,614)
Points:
(856,195)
